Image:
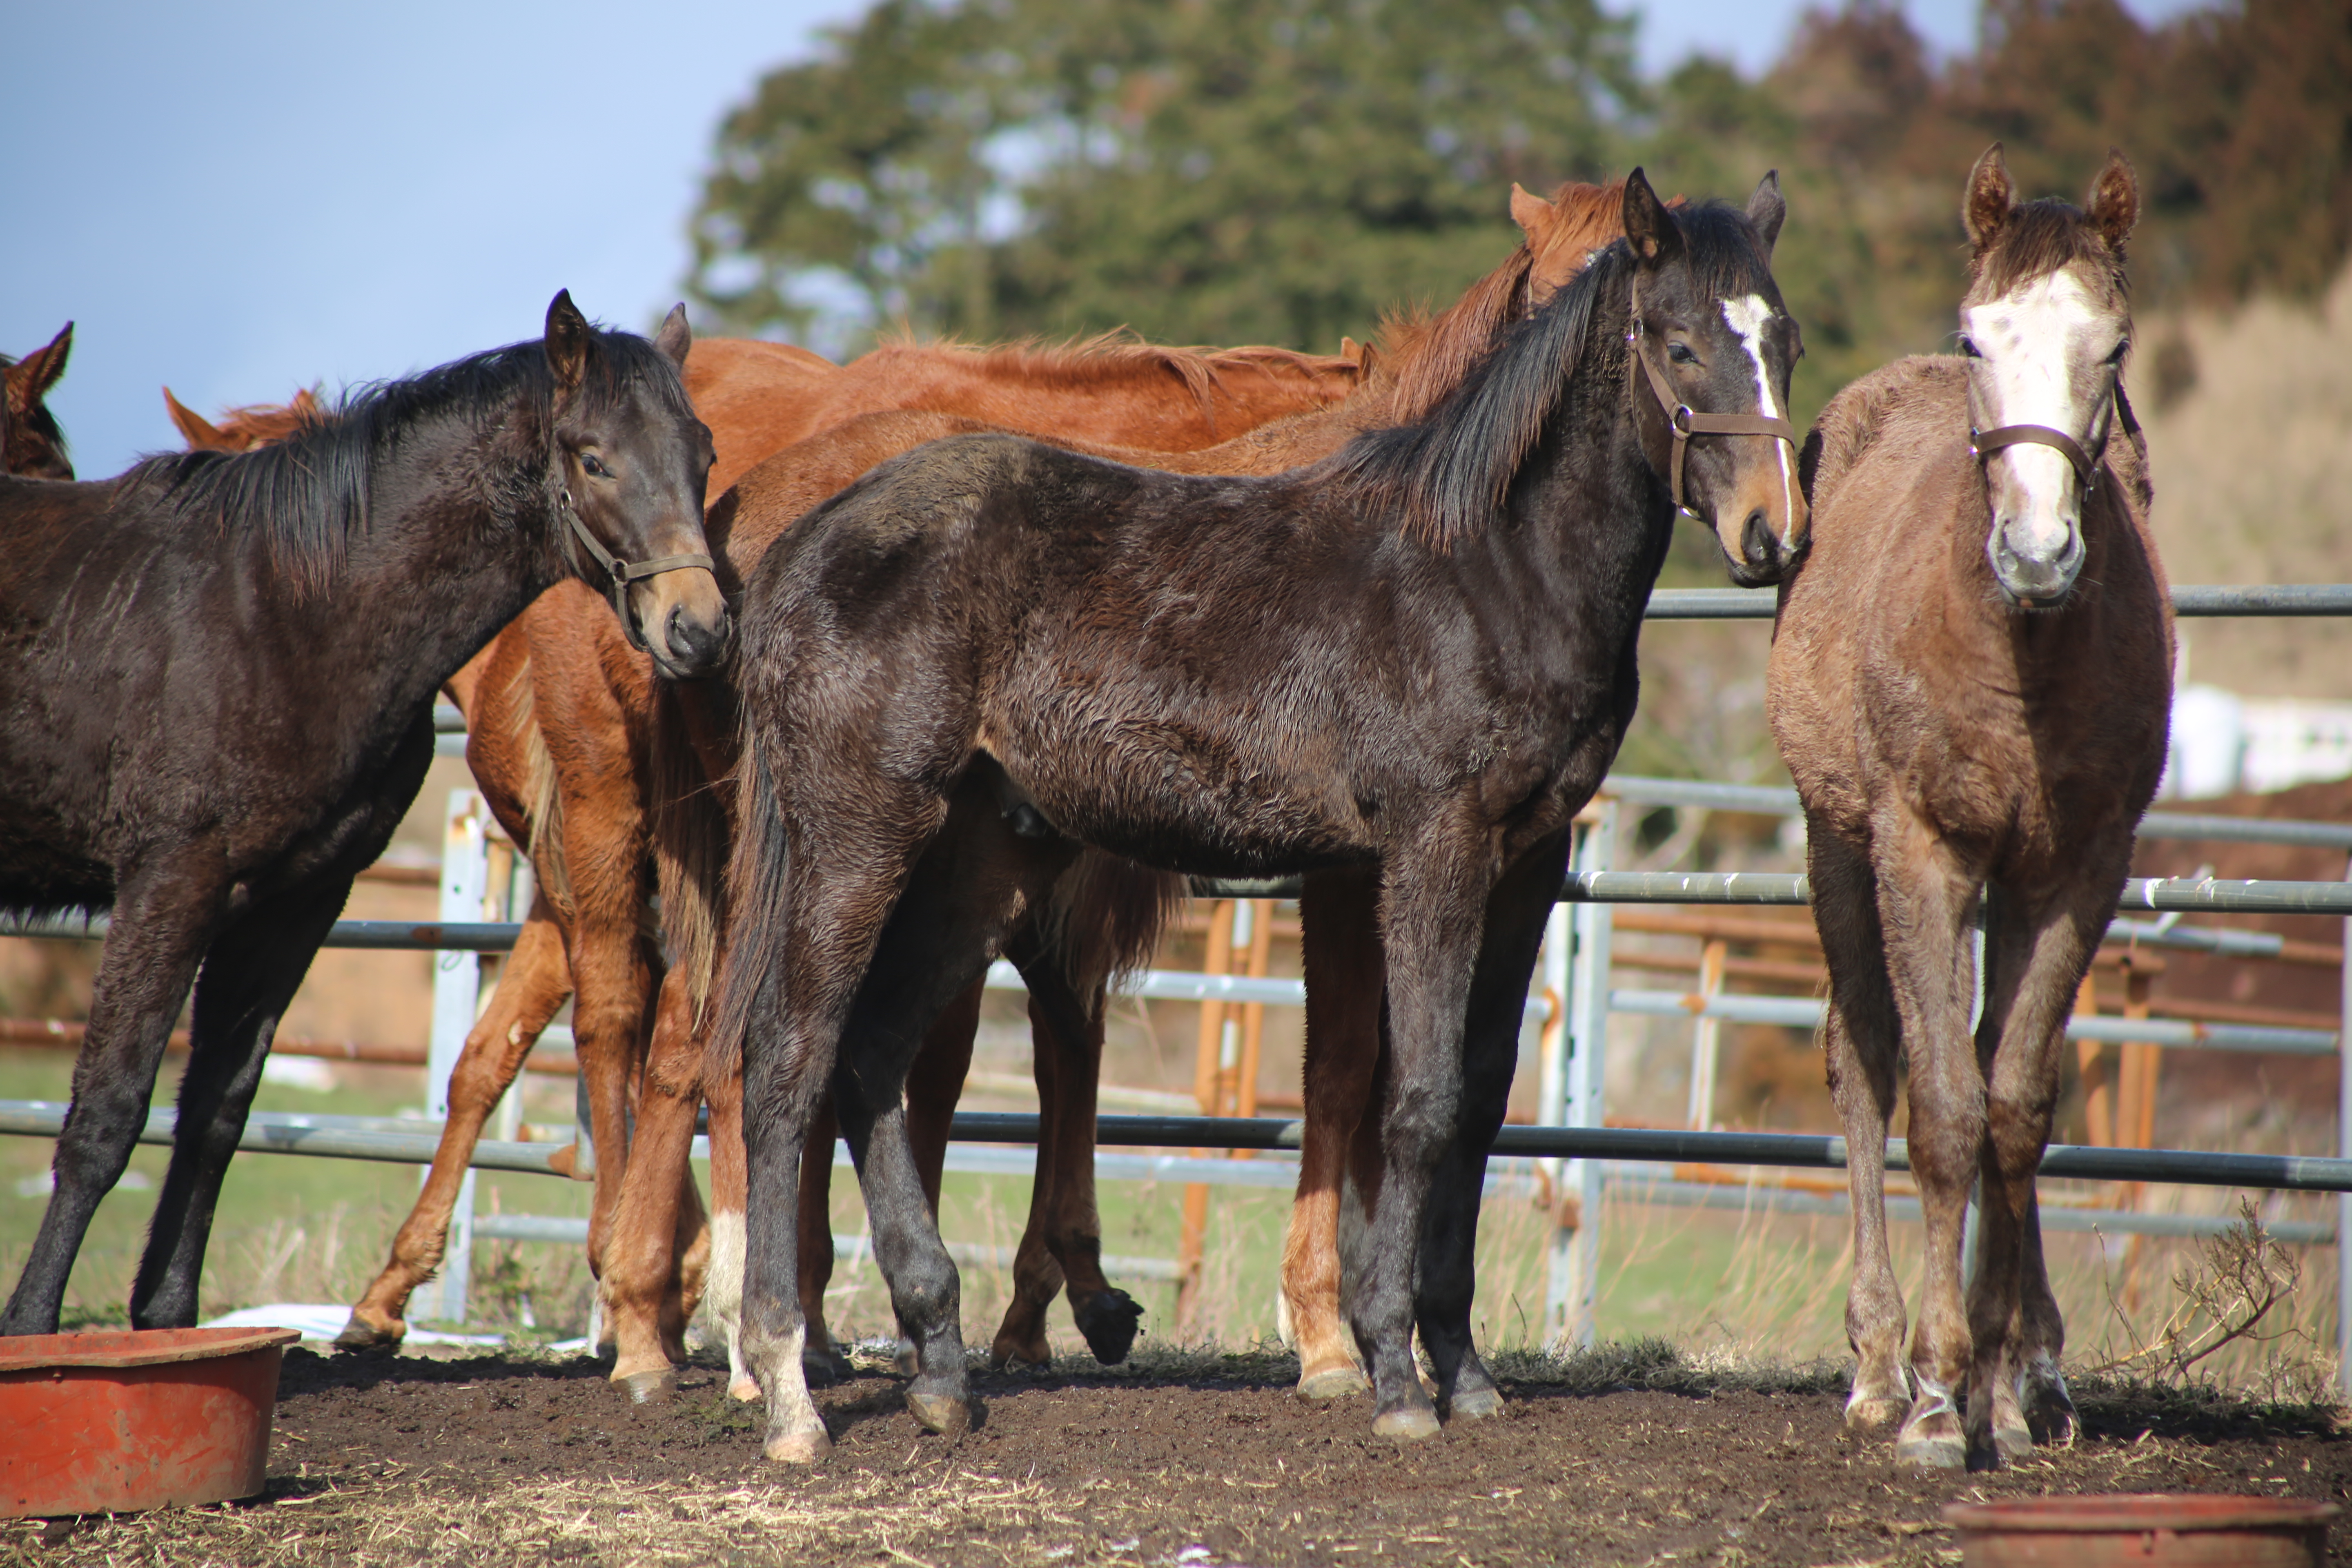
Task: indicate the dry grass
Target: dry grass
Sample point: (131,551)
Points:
(2253,466)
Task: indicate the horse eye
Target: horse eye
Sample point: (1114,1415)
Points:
(1680,354)
(593,465)
(2122,349)
(1969,347)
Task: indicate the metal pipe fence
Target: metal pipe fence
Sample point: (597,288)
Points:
(1573,1147)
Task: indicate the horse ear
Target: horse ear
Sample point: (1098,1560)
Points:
(1650,229)
(1532,214)
(675,336)
(201,434)
(2114,207)
(1988,200)
(30,378)
(568,339)
(1766,208)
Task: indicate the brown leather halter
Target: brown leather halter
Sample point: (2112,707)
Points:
(621,573)
(1982,444)
(1685,422)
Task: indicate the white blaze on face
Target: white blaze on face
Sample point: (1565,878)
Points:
(1747,318)
(2029,343)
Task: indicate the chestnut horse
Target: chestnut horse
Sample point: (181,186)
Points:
(1417,654)
(556,712)
(1970,683)
(1060,1247)
(31,445)
(218,708)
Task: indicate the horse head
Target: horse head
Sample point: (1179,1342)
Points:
(1714,346)
(631,462)
(2045,325)
(31,445)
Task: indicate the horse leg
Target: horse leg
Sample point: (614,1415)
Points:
(2043,946)
(1433,918)
(1925,897)
(533,987)
(1340,948)
(164,918)
(722,1090)
(1064,1241)
(822,1358)
(794,971)
(1861,1034)
(1515,914)
(934,1084)
(640,1308)
(251,973)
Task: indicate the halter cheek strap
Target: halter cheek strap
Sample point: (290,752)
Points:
(1686,423)
(620,574)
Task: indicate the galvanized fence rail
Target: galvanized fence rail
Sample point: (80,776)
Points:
(1572,1147)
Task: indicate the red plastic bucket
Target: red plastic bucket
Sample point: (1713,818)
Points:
(2156,1531)
(125,1419)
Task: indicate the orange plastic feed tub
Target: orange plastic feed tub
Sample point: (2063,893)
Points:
(124,1419)
(2155,1531)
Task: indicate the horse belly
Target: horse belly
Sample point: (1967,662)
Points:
(1173,810)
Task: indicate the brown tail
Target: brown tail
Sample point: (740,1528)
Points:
(1106,917)
(691,837)
(542,802)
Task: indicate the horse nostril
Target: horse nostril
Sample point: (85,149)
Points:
(1756,540)
(693,643)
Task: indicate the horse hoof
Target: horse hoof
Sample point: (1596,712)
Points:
(744,1391)
(821,1367)
(804,1446)
(1110,1322)
(1473,1404)
(1868,1415)
(1938,1453)
(1010,1351)
(360,1335)
(1333,1383)
(1413,1424)
(943,1414)
(2013,1443)
(654,1387)
(2050,1417)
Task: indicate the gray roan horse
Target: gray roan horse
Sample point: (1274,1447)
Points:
(216,698)
(1417,654)
(1970,681)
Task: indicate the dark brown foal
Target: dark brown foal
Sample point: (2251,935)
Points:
(1970,683)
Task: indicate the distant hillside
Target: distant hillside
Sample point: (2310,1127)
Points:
(2249,420)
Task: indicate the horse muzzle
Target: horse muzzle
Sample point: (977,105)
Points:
(680,619)
(2035,569)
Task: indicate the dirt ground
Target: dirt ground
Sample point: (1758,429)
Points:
(1632,1456)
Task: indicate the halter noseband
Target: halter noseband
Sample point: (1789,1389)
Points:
(1982,444)
(1685,422)
(621,573)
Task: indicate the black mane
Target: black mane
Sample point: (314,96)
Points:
(304,495)
(1449,472)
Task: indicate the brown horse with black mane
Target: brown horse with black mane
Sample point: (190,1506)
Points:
(31,445)
(1970,683)
(217,705)
(1417,654)
(1108,916)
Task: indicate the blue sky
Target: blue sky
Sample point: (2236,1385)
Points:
(251,196)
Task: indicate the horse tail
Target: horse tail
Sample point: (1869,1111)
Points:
(543,802)
(689,843)
(750,977)
(1106,917)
